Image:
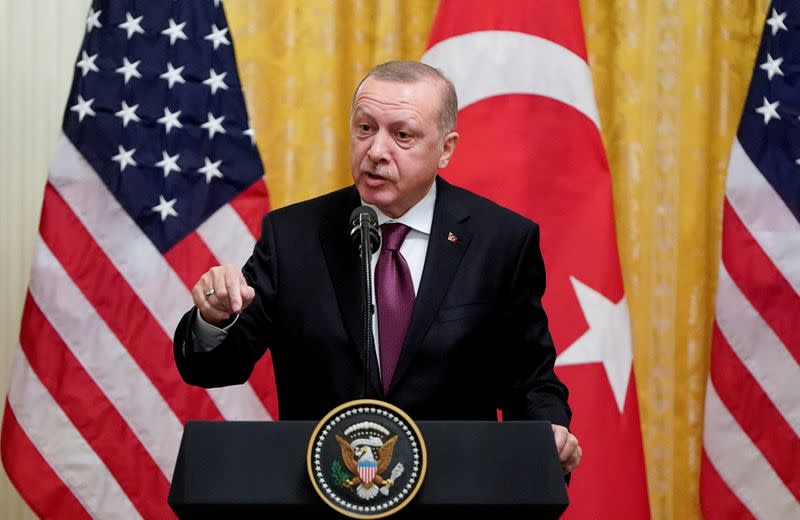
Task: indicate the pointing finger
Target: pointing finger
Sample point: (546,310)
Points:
(234,293)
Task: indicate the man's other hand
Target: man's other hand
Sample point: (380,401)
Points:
(220,292)
(569,451)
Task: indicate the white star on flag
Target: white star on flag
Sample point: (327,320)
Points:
(131,25)
(93,20)
(769,110)
(217,36)
(83,108)
(170,119)
(124,158)
(86,63)
(173,75)
(772,66)
(215,81)
(214,125)
(175,31)
(129,69)
(165,208)
(776,22)
(169,163)
(607,341)
(251,134)
(127,114)
(211,170)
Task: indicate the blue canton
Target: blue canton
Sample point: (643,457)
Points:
(770,129)
(156,108)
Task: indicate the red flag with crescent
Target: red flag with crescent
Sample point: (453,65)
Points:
(530,140)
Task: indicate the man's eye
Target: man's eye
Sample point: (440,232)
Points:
(364,127)
(402,134)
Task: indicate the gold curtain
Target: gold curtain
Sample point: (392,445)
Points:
(670,79)
(299,62)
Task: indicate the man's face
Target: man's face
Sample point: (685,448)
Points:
(395,143)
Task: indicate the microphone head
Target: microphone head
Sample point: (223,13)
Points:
(364,216)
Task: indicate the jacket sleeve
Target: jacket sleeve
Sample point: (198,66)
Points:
(530,389)
(232,361)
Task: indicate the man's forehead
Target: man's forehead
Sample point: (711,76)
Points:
(416,96)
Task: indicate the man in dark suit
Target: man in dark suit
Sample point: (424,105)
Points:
(459,329)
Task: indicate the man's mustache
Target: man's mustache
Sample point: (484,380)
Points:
(376,170)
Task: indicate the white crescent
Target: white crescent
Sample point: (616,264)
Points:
(484,64)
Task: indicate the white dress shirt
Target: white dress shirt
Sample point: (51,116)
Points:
(414,249)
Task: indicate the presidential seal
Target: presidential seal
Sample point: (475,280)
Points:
(367,459)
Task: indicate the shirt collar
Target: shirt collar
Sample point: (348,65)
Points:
(419,217)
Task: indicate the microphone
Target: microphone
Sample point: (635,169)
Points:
(364,218)
(365,236)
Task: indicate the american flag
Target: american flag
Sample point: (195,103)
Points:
(530,140)
(751,441)
(155,178)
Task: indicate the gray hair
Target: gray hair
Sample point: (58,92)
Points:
(413,71)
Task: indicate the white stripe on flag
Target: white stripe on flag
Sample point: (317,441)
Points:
(227,236)
(761,351)
(741,465)
(63,447)
(138,261)
(106,360)
(764,214)
(484,64)
(238,403)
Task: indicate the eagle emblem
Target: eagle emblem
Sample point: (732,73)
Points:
(367,459)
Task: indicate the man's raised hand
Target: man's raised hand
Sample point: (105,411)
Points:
(220,292)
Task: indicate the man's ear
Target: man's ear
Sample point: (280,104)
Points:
(448,149)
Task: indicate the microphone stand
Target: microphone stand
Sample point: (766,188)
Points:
(367,307)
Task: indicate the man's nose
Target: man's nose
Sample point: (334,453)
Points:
(379,148)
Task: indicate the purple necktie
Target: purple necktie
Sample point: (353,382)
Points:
(394,296)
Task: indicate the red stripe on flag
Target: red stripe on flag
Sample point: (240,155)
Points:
(760,281)
(251,205)
(126,316)
(77,394)
(724,505)
(190,259)
(755,412)
(556,20)
(36,481)
(263,382)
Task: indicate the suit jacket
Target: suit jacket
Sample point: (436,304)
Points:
(478,338)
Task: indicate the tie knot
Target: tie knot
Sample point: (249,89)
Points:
(393,235)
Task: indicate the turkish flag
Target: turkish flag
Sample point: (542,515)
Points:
(530,140)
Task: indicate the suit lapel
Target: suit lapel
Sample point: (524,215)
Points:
(441,263)
(343,265)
